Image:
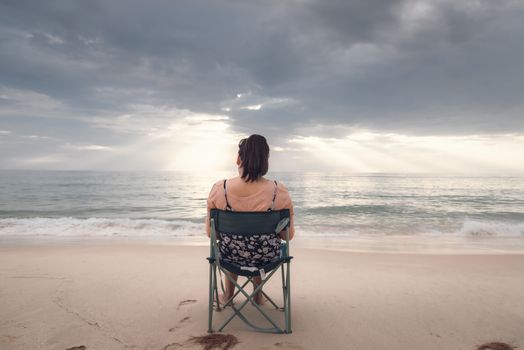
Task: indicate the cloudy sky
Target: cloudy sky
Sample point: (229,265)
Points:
(335,85)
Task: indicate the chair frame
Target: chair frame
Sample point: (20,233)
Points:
(215,264)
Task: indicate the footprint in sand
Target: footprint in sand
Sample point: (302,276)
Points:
(172,346)
(287,345)
(180,324)
(186,302)
(495,346)
(9,338)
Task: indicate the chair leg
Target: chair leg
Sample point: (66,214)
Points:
(288,299)
(270,300)
(215,284)
(265,295)
(283,287)
(230,301)
(249,299)
(210,305)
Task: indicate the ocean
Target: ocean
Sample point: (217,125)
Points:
(329,207)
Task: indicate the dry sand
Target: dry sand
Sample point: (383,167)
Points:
(154,296)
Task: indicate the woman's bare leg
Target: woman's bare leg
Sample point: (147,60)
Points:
(259,297)
(229,288)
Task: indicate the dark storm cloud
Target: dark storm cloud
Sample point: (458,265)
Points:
(411,66)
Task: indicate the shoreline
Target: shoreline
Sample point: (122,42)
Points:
(393,244)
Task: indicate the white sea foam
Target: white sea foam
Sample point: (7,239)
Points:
(474,228)
(469,228)
(126,227)
(99,227)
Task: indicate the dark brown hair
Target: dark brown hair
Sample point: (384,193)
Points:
(254,155)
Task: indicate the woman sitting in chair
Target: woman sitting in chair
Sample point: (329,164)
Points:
(249,191)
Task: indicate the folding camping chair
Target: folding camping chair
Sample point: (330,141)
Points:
(249,223)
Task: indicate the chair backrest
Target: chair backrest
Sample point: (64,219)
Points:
(249,222)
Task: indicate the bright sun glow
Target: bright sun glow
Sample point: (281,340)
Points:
(170,139)
(209,145)
(197,142)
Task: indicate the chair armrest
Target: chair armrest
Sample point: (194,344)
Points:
(284,251)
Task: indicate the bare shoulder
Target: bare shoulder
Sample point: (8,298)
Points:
(282,190)
(281,186)
(219,183)
(283,198)
(216,187)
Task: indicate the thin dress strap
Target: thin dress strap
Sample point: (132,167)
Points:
(274,196)
(228,207)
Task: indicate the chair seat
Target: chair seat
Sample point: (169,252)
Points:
(237,269)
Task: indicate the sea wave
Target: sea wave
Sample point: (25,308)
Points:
(468,228)
(474,228)
(122,227)
(352,209)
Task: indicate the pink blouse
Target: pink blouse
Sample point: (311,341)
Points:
(258,201)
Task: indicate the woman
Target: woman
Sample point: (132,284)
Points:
(249,191)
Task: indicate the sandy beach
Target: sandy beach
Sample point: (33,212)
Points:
(154,296)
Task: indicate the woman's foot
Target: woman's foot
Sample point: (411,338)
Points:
(259,299)
(223,299)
